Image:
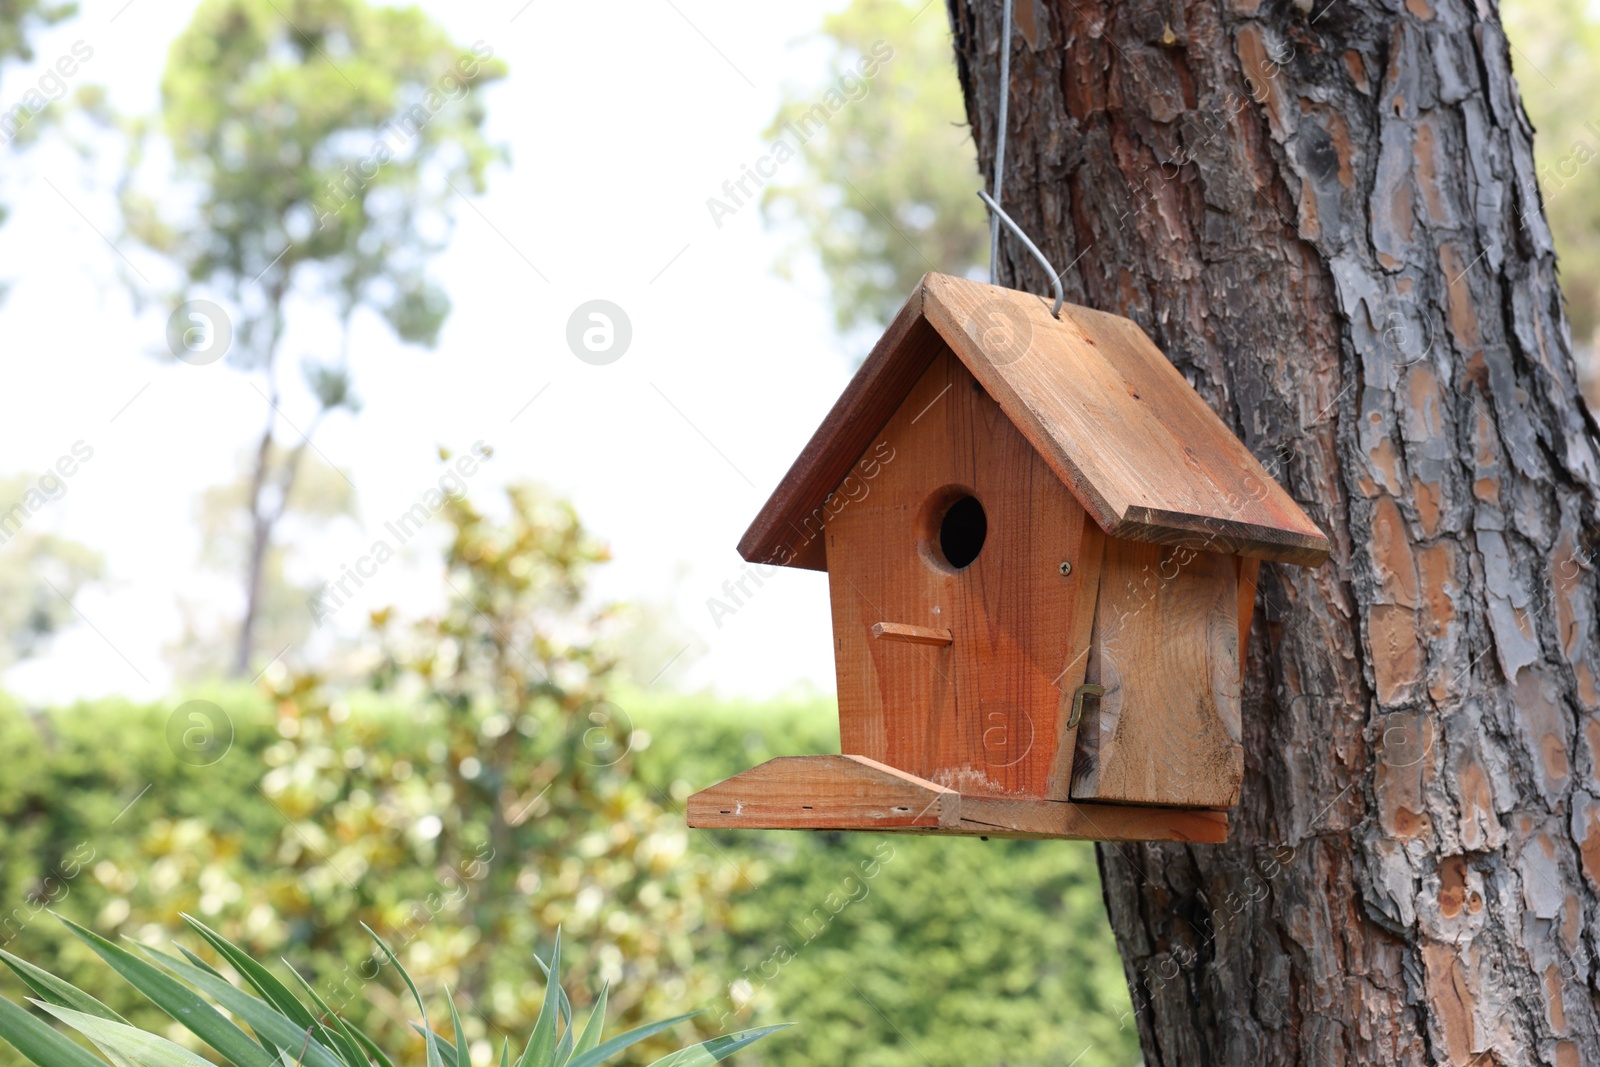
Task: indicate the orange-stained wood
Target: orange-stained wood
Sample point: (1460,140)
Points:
(1086,572)
(1109,414)
(854,793)
(911,635)
(1166,649)
(817,792)
(984,714)
(1118,423)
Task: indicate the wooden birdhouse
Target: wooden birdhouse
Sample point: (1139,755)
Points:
(1041,549)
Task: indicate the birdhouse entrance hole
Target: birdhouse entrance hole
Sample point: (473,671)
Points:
(952,529)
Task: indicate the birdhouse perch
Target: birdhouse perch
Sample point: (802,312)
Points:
(1041,549)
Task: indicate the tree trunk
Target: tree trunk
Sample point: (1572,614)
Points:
(260,533)
(1327,218)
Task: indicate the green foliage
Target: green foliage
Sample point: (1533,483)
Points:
(19,18)
(974,952)
(285,1028)
(888,190)
(489,783)
(1554,44)
(476,794)
(318,132)
(538,770)
(40,572)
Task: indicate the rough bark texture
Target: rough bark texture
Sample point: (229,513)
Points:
(1327,218)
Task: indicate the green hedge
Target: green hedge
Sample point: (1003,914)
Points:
(922,950)
(942,951)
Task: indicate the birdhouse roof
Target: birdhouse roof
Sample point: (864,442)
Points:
(1110,415)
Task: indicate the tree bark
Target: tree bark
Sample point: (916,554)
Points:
(1326,215)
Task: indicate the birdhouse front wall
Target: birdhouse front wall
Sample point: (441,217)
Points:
(970,680)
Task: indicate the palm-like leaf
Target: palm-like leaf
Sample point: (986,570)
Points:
(39,1041)
(53,989)
(289,1032)
(125,1046)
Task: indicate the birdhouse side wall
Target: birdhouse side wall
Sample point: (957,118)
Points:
(969,685)
(1165,646)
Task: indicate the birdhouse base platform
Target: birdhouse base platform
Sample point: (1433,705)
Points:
(856,793)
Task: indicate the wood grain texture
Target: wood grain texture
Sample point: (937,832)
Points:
(998,817)
(983,715)
(912,635)
(1087,569)
(854,793)
(1118,423)
(1166,649)
(817,792)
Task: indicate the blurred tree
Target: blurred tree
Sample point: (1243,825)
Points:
(1555,43)
(319,494)
(19,20)
(887,191)
(40,574)
(539,766)
(316,146)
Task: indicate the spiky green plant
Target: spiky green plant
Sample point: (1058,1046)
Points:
(285,1031)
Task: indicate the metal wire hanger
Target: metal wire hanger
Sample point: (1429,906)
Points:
(997,215)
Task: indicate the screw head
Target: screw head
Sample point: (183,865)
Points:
(1065,568)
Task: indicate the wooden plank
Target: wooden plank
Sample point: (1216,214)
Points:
(1204,534)
(814,792)
(1166,649)
(787,531)
(854,793)
(913,635)
(1090,822)
(1080,629)
(983,715)
(1117,422)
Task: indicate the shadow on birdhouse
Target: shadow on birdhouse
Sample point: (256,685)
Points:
(1041,549)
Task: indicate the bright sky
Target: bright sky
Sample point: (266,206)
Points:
(621,121)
